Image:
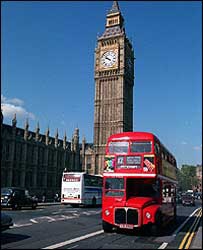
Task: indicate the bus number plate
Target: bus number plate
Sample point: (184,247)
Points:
(126,226)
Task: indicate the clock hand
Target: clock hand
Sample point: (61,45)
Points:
(108,58)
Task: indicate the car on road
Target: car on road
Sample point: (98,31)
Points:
(6,221)
(16,198)
(198,195)
(178,199)
(188,200)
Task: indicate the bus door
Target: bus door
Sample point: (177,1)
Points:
(168,200)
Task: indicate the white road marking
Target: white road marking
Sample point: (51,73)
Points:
(91,212)
(86,213)
(51,219)
(182,225)
(56,217)
(73,240)
(76,214)
(34,221)
(56,212)
(69,216)
(21,225)
(73,247)
(163,245)
(48,218)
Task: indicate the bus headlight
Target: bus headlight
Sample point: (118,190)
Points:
(148,215)
(107,212)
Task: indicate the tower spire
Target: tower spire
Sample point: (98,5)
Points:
(14,120)
(114,8)
(114,22)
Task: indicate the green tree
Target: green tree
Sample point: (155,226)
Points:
(187,177)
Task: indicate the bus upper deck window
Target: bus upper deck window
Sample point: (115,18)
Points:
(141,147)
(118,147)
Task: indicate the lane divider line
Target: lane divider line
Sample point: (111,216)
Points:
(73,240)
(189,231)
(193,231)
(183,224)
(165,244)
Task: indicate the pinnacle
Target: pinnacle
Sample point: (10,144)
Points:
(115,7)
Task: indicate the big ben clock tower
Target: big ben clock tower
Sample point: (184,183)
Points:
(114,81)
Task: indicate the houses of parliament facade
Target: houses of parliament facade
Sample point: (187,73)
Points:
(36,161)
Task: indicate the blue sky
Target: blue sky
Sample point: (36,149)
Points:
(47,72)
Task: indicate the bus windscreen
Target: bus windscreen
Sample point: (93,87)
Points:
(118,147)
(141,147)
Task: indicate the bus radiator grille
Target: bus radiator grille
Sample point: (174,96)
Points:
(132,216)
(126,216)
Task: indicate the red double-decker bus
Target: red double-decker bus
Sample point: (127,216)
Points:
(139,183)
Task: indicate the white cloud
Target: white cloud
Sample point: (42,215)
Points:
(16,101)
(14,106)
(183,143)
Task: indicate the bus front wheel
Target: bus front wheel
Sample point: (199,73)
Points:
(155,229)
(107,227)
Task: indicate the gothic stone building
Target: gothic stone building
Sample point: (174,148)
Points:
(114,81)
(36,161)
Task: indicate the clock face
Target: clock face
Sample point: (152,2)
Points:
(108,59)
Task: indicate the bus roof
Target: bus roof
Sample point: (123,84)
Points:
(131,135)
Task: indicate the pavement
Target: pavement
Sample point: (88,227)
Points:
(196,242)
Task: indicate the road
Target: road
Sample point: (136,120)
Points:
(64,227)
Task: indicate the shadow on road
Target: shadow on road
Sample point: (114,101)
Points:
(7,238)
(168,230)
